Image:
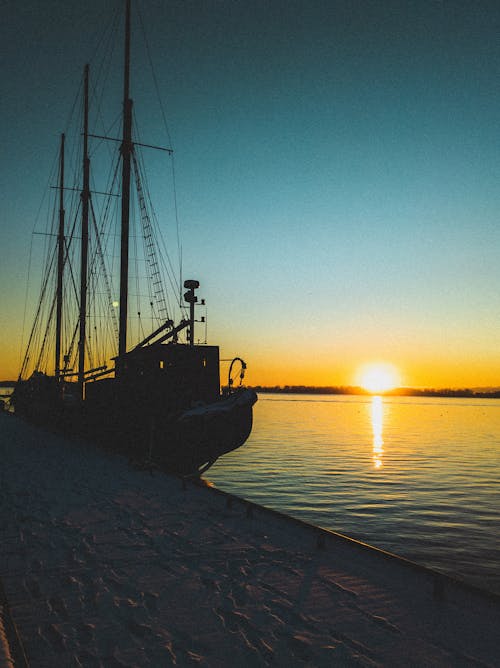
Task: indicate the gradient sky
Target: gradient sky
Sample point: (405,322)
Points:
(338,174)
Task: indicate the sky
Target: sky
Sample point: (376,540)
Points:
(337,169)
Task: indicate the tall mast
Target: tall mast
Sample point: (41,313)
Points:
(85,233)
(126,149)
(60,261)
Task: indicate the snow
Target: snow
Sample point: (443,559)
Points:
(107,565)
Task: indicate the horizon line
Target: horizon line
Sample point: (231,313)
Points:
(484,391)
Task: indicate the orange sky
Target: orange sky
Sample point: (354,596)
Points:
(280,353)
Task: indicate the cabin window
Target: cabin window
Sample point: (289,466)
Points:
(162,364)
(204,362)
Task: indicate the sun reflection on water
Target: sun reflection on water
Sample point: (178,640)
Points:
(377,412)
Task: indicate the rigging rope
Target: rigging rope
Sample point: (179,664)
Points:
(35,323)
(170,143)
(161,271)
(150,247)
(104,270)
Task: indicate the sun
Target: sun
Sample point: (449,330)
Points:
(378,377)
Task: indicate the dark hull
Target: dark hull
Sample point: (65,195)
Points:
(185,442)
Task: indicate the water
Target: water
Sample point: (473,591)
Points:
(416,476)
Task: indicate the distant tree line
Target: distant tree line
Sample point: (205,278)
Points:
(492,393)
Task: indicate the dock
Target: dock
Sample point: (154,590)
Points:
(106,564)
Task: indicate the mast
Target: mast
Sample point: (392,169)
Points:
(126,150)
(85,234)
(60,261)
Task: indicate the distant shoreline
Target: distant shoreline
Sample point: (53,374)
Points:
(474,393)
(482,393)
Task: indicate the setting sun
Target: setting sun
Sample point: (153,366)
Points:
(378,377)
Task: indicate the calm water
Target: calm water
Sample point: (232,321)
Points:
(416,476)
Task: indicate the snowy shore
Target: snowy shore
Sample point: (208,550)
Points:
(106,565)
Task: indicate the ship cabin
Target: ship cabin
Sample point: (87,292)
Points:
(161,377)
(175,369)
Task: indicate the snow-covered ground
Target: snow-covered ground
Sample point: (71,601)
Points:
(106,565)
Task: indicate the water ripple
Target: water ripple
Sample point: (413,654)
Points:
(416,476)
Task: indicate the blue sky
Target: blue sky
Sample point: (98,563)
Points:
(337,171)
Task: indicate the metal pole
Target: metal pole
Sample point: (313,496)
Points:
(60,261)
(126,150)
(85,236)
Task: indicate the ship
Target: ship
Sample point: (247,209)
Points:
(156,398)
